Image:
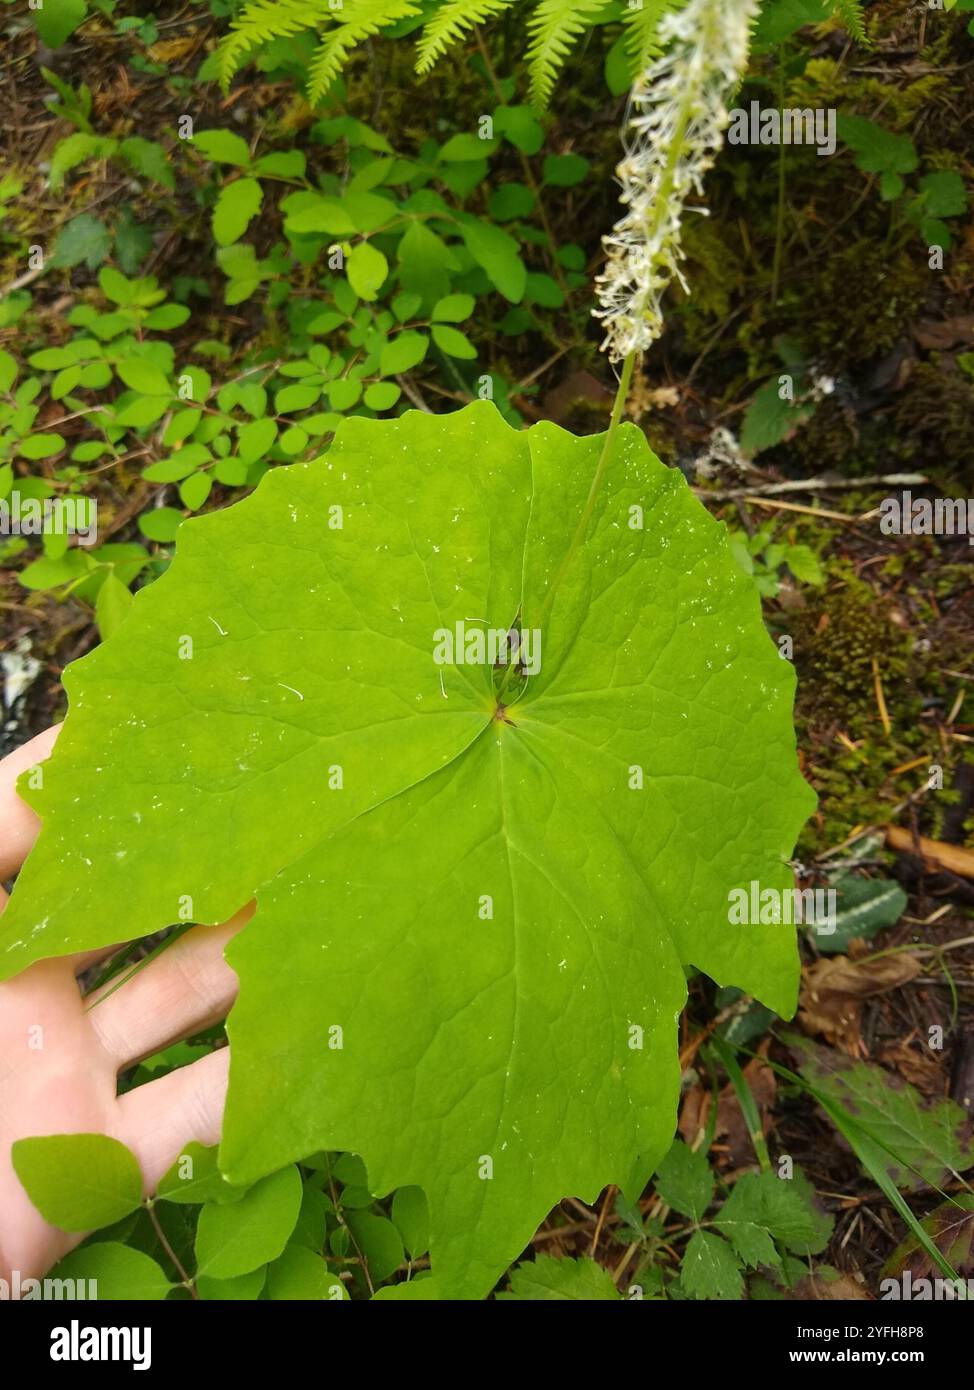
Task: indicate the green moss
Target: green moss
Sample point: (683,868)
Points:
(836,642)
(715,273)
(935,418)
(860,771)
(829,439)
(861,298)
(830,82)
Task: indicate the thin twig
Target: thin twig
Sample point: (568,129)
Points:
(609,1191)
(163,1241)
(22,280)
(413,393)
(816,485)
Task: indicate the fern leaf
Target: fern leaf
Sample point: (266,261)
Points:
(446,26)
(259,23)
(358,20)
(642,25)
(555,26)
(849,14)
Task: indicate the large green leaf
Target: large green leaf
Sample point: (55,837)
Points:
(468,957)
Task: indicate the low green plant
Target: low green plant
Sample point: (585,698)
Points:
(938,194)
(763,557)
(374,274)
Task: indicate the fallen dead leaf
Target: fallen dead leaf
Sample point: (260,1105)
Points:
(833,990)
(951,1227)
(579,388)
(730,1124)
(947,333)
(694,1113)
(168,50)
(645,398)
(921,1069)
(815,1289)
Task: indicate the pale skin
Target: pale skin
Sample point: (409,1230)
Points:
(67,1084)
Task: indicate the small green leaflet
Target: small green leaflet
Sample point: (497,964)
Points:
(547,1280)
(378,1240)
(237,1238)
(57,20)
(118,1273)
(194,1179)
(709,1269)
(367,269)
(237,204)
(78,1182)
(763,1208)
(467,961)
(301,1275)
(685,1182)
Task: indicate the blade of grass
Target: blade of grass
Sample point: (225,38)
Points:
(745,1099)
(869,1154)
(869,1150)
(139,965)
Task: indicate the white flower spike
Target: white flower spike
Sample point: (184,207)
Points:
(674,127)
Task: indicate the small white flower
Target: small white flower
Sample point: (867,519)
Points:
(674,127)
(723,448)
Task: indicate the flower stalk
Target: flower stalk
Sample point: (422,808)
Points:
(674,126)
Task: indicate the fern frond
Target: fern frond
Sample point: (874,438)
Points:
(555,27)
(642,25)
(446,26)
(850,16)
(259,23)
(358,20)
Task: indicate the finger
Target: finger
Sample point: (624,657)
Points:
(187,988)
(156,1122)
(159,1119)
(18,823)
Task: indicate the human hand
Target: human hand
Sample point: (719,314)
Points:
(59,1057)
